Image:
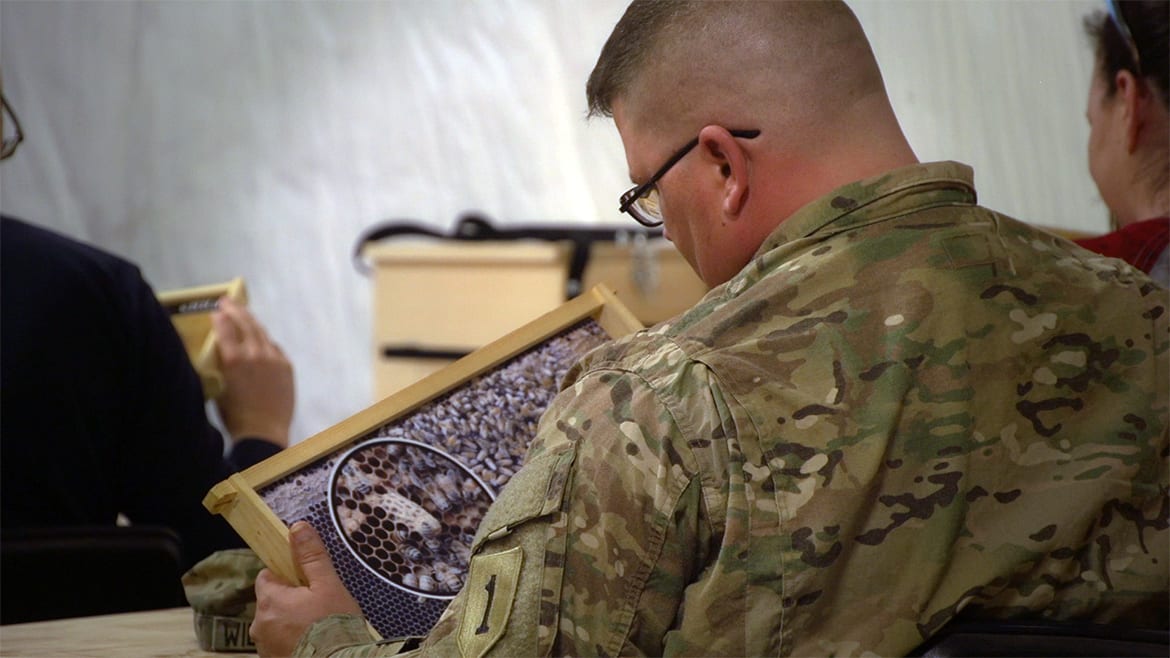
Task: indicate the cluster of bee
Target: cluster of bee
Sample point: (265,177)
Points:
(488,422)
(409,512)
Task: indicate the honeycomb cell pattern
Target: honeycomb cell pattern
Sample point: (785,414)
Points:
(485,425)
(409,512)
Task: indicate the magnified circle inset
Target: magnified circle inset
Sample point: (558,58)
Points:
(408,512)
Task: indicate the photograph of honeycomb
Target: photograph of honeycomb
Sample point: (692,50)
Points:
(398,500)
(408,512)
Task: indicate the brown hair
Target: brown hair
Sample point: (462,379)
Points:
(685,63)
(1148,22)
(625,52)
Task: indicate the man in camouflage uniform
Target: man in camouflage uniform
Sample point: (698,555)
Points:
(895,408)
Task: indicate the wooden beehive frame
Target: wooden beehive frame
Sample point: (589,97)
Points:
(195,328)
(237,498)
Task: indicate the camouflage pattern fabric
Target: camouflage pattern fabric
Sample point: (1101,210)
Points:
(221,591)
(904,410)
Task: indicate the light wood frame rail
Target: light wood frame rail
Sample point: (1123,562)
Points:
(190,310)
(237,498)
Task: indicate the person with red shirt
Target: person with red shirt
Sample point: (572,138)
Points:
(1129,132)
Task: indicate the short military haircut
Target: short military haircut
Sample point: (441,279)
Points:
(624,55)
(691,62)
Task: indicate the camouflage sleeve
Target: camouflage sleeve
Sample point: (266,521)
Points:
(635,508)
(589,547)
(344,636)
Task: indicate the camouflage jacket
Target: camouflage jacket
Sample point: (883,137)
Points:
(906,408)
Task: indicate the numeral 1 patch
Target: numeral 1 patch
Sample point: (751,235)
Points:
(490,589)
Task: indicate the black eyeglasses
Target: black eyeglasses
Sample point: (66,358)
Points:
(8,146)
(1123,27)
(641,201)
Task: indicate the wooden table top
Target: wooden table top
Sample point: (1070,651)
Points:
(151,634)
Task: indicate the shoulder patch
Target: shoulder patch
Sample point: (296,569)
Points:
(491,589)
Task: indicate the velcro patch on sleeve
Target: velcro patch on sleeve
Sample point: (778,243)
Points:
(491,589)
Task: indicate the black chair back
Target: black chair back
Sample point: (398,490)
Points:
(60,572)
(1022,639)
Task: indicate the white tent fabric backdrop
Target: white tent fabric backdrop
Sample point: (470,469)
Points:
(207,140)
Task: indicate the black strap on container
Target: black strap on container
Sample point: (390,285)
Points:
(475,227)
(419,352)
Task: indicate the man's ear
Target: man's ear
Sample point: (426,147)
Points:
(1134,96)
(723,150)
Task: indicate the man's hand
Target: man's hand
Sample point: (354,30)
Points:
(258,394)
(284,611)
